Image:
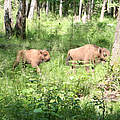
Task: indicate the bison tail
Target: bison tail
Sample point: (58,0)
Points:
(68,59)
(18,58)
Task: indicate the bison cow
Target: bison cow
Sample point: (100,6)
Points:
(33,57)
(86,54)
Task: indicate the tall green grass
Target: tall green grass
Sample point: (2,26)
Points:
(60,93)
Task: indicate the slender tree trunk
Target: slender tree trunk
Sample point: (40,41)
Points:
(112,9)
(80,9)
(84,12)
(47,7)
(115,59)
(7,5)
(20,26)
(43,8)
(92,7)
(28,3)
(60,9)
(89,9)
(103,10)
(84,17)
(66,5)
(38,8)
(108,6)
(7,17)
(32,7)
(74,8)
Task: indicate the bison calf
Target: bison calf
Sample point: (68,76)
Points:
(87,53)
(33,57)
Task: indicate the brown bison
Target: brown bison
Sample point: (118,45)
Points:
(86,54)
(33,57)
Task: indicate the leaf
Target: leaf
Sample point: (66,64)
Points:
(38,110)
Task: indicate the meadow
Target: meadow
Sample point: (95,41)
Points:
(60,93)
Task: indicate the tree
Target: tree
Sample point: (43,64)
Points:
(103,10)
(80,9)
(7,17)
(116,46)
(89,9)
(32,7)
(92,6)
(20,25)
(47,7)
(74,6)
(38,8)
(60,9)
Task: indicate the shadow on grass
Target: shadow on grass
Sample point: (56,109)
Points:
(23,108)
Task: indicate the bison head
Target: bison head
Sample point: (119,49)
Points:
(105,53)
(45,55)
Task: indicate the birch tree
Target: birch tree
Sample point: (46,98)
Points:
(20,25)
(60,9)
(7,17)
(115,59)
(80,9)
(89,9)
(103,10)
(47,7)
(92,6)
(32,7)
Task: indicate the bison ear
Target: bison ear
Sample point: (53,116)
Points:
(40,51)
(100,50)
(45,53)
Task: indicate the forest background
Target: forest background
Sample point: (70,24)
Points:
(59,93)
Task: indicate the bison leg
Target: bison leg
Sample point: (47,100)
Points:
(18,58)
(34,65)
(68,59)
(15,64)
(38,70)
(87,68)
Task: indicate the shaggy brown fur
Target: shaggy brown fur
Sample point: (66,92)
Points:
(87,53)
(33,57)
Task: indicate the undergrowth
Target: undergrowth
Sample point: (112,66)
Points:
(60,93)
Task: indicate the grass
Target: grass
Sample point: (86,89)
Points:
(59,93)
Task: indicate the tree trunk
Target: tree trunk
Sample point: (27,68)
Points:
(74,8)
(32,7)
(7,17)
(66,5)
(80,9)
(108,6)
(112,9)
(21,20)
(103,10)
(38,8)
(84,12)
(115,59)
(47,7)
(89,9)
(60,9)
(28,3)
(92,7)
(84,18)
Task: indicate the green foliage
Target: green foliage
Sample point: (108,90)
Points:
(60,93)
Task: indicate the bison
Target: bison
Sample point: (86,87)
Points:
(86,54)
(33,57)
